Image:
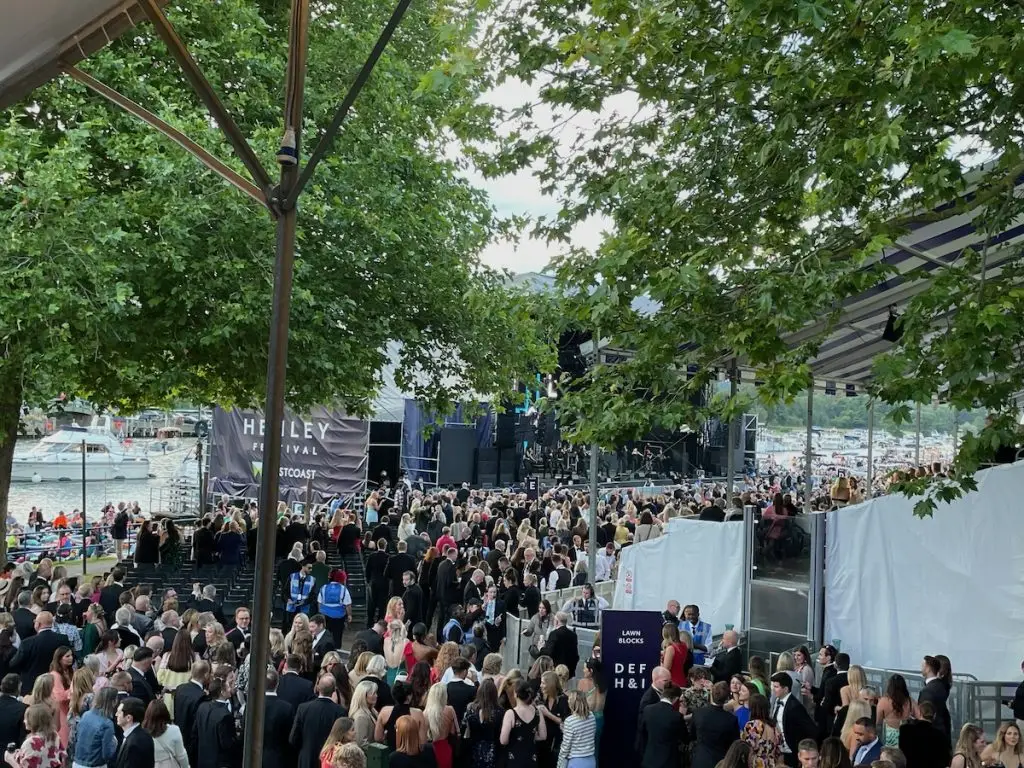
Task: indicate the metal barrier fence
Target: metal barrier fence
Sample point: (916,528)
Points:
(516,652)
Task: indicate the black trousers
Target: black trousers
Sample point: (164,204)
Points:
(378,603)
(337,628)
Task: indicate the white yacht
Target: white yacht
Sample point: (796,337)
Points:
(58,458)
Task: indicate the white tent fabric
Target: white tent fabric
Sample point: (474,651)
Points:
(899,588)
(695,561)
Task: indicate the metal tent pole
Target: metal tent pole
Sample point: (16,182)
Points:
(592,528)
(956,430)
(917,439)
(730,442)
(871,448)
(809,453)
(284,262)
(85,520)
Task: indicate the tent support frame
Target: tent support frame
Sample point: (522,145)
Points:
(281,202)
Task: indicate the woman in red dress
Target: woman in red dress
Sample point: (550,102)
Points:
(676,655)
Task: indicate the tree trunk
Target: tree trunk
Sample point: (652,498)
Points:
(10,415)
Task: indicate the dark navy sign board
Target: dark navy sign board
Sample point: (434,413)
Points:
(630,650)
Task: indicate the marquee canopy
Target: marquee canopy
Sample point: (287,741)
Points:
(39,37)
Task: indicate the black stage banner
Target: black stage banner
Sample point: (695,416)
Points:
(325,447)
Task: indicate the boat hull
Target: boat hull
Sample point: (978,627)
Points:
(28,470)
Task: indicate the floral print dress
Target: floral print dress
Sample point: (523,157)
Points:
(764,741)
(39,751)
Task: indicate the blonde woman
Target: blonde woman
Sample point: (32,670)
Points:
(364,711)
(406,528)
(507,689)
(397,651)
(579,735)
(358,672)
(1006,750)
(395,612)
(214,640)
(969,748)
(856,680)
(277,651)
(441,724)
(300,622)
(855,711)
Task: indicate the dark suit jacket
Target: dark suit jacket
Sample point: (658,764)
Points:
(875,753)
(209,606)
(412,598)
(12,721)
(295,689)
(562,646)
(35,656)
(726,664)
(651,696)
(662,731)
(168,634)
(937,693)
(277,727)
(141,688)
(447,586)
(24,622)
(187,698)
(213,733)
(924,745)
(460,694)
(110,600)
(397,565)
(312,726)
(797,723)
(324,646)
(830,699)
(716,731)
(136,751)
(376,564)
(374,642)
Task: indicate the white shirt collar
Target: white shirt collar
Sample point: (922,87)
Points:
(129,729)
(929,679)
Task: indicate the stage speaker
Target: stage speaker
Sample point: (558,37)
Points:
(505,435)
(456,455)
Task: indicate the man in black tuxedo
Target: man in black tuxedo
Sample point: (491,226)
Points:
(936,693)
(313,723)
(110,595)
(36,653)
(376,565)
(172,623)
(827,661)
(323,641)
(660,677)
(206,602)
(562,645)
(398,564)
(293,687)
(278,726)
(24,619)
(791,719)
(213,731)
(460,690)
(922,743)
(716,729)
(373,636)
(12,711)
(728,661)
(241,632)
(136,750)
(662,731)
(412,599)
(187,698)
(830,697)
(447,588)
(140,671)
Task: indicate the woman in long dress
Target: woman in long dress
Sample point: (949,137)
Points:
(61,670)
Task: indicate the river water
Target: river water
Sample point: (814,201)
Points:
(54,497)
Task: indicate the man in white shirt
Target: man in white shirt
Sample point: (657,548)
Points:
(605,562)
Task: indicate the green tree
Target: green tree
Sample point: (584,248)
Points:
(131,276)
(752,159)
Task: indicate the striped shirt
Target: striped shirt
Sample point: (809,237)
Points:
(579,737)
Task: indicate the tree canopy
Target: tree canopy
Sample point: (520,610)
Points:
(131,276)
(751,159)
